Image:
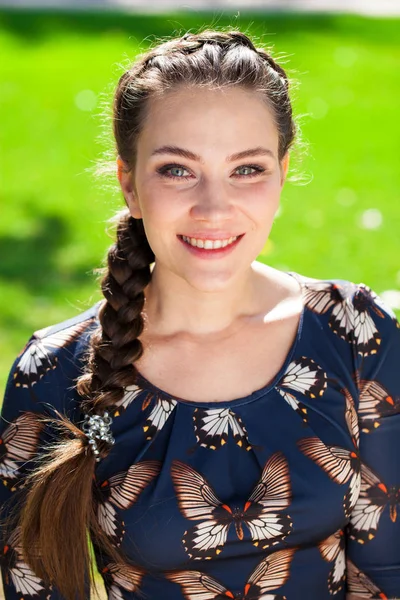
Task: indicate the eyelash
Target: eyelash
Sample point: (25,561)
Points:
(163,171)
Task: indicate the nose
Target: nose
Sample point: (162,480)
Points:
(212,203)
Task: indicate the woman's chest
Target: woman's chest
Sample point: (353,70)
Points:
(220,371)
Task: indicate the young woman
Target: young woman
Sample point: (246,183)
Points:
(216,427)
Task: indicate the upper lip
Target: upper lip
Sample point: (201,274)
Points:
(212,235)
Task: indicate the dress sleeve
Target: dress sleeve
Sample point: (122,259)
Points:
(373,533)
(40,380)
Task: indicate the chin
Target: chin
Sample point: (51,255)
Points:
(211,282)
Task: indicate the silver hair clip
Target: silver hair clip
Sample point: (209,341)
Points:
(98,427)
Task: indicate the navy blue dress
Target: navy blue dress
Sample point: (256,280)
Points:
(290,492)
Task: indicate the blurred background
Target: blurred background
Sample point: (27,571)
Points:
(340,215)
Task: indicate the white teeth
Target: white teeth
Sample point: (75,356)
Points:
(209,244)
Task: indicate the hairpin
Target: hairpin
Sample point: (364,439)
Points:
(97,427)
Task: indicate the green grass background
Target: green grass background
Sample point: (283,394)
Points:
(54,209)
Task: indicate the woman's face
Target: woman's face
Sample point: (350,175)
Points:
(207,168)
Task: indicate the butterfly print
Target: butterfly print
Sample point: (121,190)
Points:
(348,319)
(38,356)
(351,418)
(340,464)
(375,402)
(159,414)
(19,443)
(367,336)
(121,577)
(374,497)
(333,550)
(321,297)
(261,513)
(131,392)
(18,573)
(381,306)
(359,584)
(212,427)
(122,491)
(306,377)
(271,573)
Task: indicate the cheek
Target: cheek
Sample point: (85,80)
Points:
(272,186)
(157,205)
(263,198)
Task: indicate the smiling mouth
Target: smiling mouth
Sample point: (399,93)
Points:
(209,249)
(209,244)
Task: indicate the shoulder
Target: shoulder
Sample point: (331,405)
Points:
(354,312)
(76,324)
(322,294)
(58,345)
(43,376)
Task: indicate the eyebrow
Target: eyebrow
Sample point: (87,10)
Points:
(259,151)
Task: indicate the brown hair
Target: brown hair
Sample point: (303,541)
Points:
(59,503)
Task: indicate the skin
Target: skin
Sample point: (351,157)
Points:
(188,296)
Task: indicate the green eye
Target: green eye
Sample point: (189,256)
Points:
(246,168)
(168,171)
(255,170)
(176,169)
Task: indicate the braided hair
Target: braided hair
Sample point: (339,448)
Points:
(209,58)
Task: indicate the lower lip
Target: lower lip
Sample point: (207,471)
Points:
(210,252)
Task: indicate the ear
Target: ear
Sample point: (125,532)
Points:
(125,179)
(284,166)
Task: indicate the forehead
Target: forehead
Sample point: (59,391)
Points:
(228,119)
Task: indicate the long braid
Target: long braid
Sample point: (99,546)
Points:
(115,345)
(113,350)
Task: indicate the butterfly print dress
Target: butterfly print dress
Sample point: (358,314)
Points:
(292,492)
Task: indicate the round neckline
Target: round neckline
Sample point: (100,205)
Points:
(146,385)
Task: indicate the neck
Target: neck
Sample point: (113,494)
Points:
(173,307)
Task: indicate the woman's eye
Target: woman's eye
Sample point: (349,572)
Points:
(173,171)
(255,169)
